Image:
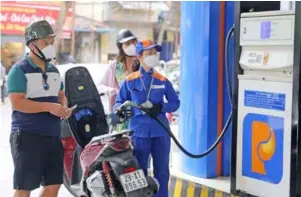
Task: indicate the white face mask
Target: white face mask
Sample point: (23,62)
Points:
(49,52)
(151,61)
(130,50)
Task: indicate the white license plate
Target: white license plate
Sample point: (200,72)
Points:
(133,181)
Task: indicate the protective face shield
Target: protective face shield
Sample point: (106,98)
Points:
(129,50)
(151,61)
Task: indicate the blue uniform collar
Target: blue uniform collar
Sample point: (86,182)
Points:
(142,71)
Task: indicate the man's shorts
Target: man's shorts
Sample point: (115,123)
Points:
(38,160)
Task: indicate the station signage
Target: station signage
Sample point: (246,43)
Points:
(16,16)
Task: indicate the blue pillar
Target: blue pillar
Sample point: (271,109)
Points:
(199,77)
(226,147)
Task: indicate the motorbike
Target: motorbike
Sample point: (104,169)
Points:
(98,161)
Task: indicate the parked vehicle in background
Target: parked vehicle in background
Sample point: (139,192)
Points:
(171,70)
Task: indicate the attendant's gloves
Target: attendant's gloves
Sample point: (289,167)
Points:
(155,110)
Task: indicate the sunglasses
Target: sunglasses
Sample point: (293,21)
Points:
(45,83)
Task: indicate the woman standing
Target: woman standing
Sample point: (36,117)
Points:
(125,64)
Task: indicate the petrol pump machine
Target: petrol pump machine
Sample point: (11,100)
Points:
(265,104)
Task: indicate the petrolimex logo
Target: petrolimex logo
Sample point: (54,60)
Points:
(262,155)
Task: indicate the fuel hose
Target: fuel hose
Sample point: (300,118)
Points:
(229,87)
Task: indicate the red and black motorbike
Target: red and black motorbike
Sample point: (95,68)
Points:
(98,161)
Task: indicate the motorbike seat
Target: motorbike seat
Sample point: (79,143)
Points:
(88,119)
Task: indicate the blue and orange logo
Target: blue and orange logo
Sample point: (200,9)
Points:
(262,155)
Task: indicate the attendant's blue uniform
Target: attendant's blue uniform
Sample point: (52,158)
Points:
(149,136)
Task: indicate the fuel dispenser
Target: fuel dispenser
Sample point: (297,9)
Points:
(266,140)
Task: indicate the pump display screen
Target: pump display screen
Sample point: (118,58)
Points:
(265,32)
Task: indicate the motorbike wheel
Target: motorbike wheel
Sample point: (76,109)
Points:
(67,184)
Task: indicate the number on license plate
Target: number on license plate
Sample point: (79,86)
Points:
(133,181)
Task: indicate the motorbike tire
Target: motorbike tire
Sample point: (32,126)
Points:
(67,185)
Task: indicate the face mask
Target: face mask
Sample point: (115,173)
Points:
(151,61)
(130,50)
(49,52)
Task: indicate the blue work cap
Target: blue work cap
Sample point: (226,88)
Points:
(145,45)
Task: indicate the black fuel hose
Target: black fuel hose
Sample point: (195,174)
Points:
(227,64)
(204,153)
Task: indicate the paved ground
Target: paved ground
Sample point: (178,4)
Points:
(6,165)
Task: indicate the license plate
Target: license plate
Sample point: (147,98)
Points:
(133,181)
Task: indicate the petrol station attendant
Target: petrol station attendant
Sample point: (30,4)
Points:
(148,88)
(38,103)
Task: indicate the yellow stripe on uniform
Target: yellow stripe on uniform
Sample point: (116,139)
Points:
(178,188)
(204,191)
(218,193)
(190,189)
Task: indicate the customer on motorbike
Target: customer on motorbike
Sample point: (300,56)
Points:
(38,103)
(147,88)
